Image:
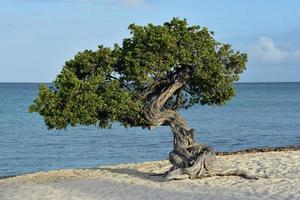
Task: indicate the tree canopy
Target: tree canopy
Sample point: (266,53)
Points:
(99,87)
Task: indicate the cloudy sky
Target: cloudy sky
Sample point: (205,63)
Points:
(38,36)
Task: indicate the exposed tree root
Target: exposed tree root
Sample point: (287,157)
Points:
(237,172)
(196,165)
(203,166)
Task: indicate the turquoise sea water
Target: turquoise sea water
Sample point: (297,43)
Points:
(262,114)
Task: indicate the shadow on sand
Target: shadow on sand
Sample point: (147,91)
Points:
(156,177)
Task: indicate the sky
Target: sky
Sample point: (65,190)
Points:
(38,36)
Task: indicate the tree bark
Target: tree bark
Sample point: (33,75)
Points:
(189,159)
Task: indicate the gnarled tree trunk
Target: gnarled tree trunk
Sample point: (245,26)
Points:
(189,159)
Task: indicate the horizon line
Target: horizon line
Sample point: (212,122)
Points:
(16,82)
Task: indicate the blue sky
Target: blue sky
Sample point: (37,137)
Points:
(38,36)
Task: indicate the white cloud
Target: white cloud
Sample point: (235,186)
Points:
(267,51)
(297,54)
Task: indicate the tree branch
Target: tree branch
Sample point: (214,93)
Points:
(177,101)
(115,78)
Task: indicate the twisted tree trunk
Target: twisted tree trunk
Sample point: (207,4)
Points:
(189,159)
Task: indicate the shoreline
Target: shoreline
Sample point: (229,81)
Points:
(218,153)
(259,149)
(279,171)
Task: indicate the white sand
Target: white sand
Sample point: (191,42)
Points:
(134,181)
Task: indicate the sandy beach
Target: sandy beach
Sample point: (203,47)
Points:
(279,172)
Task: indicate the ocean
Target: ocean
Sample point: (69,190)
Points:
(261,115)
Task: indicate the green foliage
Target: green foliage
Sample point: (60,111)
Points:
(107,85)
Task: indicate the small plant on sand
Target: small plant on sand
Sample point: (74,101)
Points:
(144,82)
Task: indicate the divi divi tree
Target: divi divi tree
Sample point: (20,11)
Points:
(144,82)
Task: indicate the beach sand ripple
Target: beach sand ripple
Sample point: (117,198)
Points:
(142,181)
